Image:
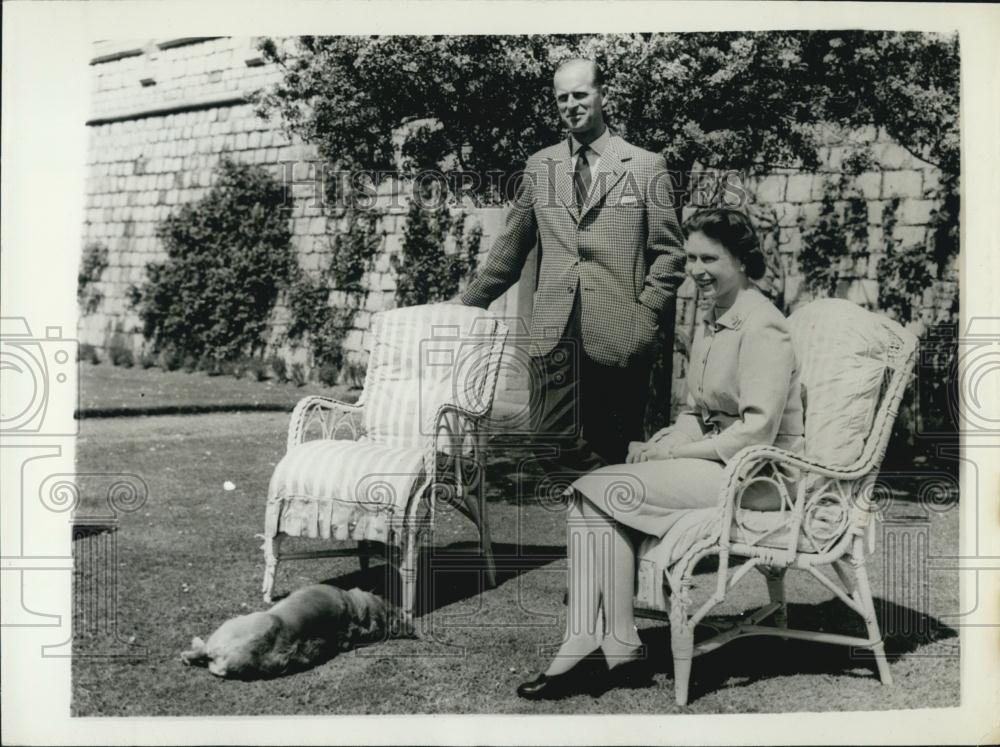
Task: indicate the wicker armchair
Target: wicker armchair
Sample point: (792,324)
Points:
(854,368)
(369,474)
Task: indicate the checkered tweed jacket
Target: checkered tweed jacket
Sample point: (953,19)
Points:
(623,251)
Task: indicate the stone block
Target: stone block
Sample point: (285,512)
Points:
(876,239)
(822,183)
(901,184)
(916,212)
(869,184)
(892,156)
(771,188)
(910,235)
(354,340)
(864,292)
(799,188)
(931,182)
(809,212)
(394,243)
(876,210)
(835,158)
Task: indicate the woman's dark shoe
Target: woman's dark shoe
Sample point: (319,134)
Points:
(584,678)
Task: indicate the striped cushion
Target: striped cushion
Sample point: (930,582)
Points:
(342,489)
(423,357)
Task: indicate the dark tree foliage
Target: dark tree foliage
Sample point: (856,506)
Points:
(228,256)
(745,101)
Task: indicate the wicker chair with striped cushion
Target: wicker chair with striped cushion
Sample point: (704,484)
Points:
(854,368)
(369,474)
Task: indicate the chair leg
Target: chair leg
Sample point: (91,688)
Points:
(776,591)
(408,573)
(485,541)
(364,558)
(871,622)
(272,554)
(681,645)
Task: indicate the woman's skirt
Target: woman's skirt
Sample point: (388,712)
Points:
(648,496)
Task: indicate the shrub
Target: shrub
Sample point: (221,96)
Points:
(171,359)
(190,363)
(326,374)
(119,351)
(147,359)
(228,255)
(257,369)
(354,374)
(279,368)
(93,263)
(298,374)
(88,353)
(209,364)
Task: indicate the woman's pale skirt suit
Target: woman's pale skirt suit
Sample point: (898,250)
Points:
(743,385)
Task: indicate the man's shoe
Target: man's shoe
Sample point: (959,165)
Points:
(583,678)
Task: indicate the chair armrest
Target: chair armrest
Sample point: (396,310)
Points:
(751,462)
(451,426)
(339,420)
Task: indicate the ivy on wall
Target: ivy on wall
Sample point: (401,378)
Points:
(427,269)
(93,263)
(314,320)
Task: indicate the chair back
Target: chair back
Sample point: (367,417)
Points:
(854,365)
(423,357)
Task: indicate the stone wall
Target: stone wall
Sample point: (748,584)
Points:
(165,112)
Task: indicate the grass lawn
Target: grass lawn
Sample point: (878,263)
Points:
(105,388)
(187,560)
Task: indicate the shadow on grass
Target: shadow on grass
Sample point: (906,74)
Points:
(752,659)
(451,573)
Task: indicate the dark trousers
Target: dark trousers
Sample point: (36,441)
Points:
(584,413)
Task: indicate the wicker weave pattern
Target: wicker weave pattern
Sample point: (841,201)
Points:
(825,511)
(373,471)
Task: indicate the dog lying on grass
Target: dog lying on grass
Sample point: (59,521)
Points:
(304,629)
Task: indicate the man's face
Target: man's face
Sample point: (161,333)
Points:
(580,102)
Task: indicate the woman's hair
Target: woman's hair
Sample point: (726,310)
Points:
(733,230)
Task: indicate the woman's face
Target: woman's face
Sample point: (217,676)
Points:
(716,271)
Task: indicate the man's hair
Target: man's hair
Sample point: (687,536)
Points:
(595,68)
(732,229)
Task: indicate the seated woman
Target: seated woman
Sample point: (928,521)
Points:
(744,391)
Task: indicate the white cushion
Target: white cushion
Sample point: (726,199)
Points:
(423,357)
(842,351)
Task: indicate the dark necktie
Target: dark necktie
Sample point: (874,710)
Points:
(581,177)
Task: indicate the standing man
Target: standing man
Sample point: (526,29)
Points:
(601,213)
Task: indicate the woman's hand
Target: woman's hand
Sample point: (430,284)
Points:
(648,451)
